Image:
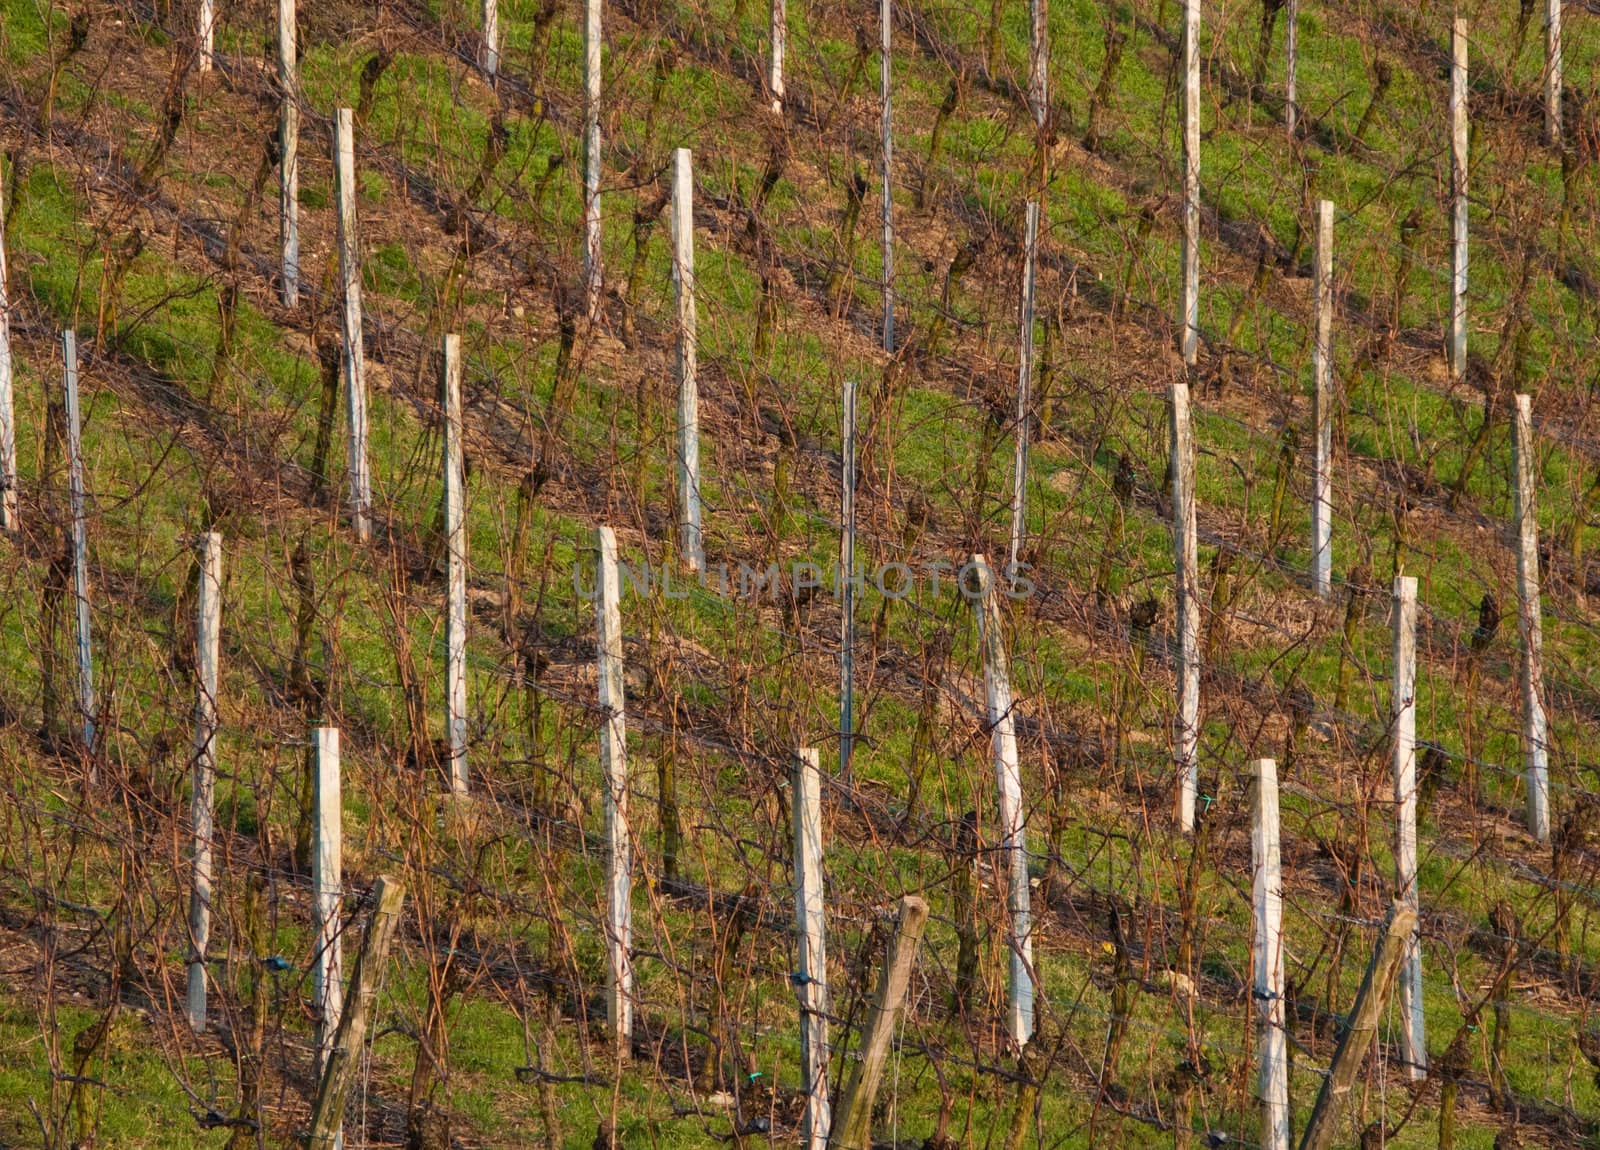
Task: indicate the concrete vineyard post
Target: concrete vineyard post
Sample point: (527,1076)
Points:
(491,38)
(289,161)
(690,542)
(1291,62)
(1535,729)
(847,586)
(591,156)
(1039,61)
(355,357)
(614,771)
(207,644)
(9,520)
(1267,910)
(885,15)
(327,881)
(1552,72)
(1008,781)
(1322,406)
(1189,322)
(207,35)
(455,529)
(1186,725)
(811,969)
(87,707)
(1019,472)
(1413,1048)
(1458,191)
(780,39)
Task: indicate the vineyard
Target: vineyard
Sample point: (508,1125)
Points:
(923,574)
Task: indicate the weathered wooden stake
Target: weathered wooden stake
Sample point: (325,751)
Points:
(344,1057)
(1458,190)
(885,15)
(9,520)
(591,155)
(852,1128)
(1322,407)
(614,769)
(1186,726)
(1189,337)
(455,530)
(1019,472)
(811,969)
(289,163)
(1552,72)
(780,40)
(1535,731)
(1373,996)
(1008,781)
(208,33)
(491,38)
(847,585)
(207,646)
(1404,711)
(355,356)
(690,541)
(1291,60)
(88,709)
(1039,61)
(1267,904)
(327,881)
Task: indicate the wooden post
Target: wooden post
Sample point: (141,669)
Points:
(1019,473)
(1535,733)
(1186,727)
(344,1057)
(491,38)
(207,645)
(852,1129)
(811,969)
(847,571)
(289,164)
(1267,905)
(355,357)
(1322,407)
(591,155)
(683,286)
(1189,337)
(1373,996)
(8,427)
(327,881)
(780,40)
(455,529)
(80,543)
(1008,780)
(207,35)
(1291,59)
(885,15)
(1404,710)
(1552,72)
(614,769)
(1039,61)
(1458,189)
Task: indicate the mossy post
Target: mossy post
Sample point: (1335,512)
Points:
(1322,405)
(327,882)
(355,357)
(1008,780)
(885,18)
(1535,730)
(1189,321)
(811,970)
(491,38)
(1413,1047)
(1267,911)
(591,157)
(847,582)
(8,427)
(289,161)
(691,547)
(1458,191)
(1186,724)
(455,529)
(1019,473)
(87,707)
(1552,72)
(614,771)
(780,39)
(207,644)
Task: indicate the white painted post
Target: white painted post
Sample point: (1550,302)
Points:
(1322,406)
(847,571)
(1189,338)
(614,769)
(1535,733)
(1552,72)
(885,14)
(591,155)
(1458,189)
(327,881)
(80,543)
(811,969)
(491,38)
(780,40)
(455,529)
(1186,727)
(355,356)
(683,286)
(207,636)
(1039,61)
(1413,1050)
(1291,60)
(1019,470)
(1008,779)
(9,520)
(1267,906)
(289,163)
(208,32)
